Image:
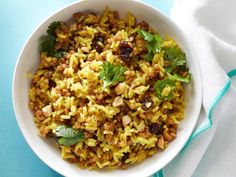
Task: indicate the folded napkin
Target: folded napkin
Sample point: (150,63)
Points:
(211,28)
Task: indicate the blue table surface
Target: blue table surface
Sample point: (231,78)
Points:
(18,18)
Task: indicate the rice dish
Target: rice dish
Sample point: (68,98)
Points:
(108,90)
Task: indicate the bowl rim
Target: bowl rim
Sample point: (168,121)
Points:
(169,21)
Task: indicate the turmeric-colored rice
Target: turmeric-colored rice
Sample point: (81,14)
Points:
(122,123)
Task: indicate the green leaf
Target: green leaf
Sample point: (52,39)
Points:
(160,85)
(48,42)
(52,27)
(174,64)
(68,136)
(59,54)
(180,78)
(146,35)
(111,74)
(153,42)
(177,60)
(170,83)
(176,57)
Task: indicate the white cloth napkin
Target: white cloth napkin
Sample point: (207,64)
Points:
(211,27)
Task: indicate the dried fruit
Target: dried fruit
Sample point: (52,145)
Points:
(96,45)
(125,50)
(125,157)
(156,128)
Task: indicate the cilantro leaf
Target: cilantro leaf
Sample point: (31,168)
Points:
(48,42)
(180,78)
(164,88)
(68,136)
(59,54)
(176,57)
(146,35)
(52,27)
(111,74)
(153,42)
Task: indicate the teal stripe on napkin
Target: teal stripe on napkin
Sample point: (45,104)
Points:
(198,131)
(214,103)
(232,73)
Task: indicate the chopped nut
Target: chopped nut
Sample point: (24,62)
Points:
(47,110)
(118,101)
(120,88)
(126,120)
(85,49)
(161,142)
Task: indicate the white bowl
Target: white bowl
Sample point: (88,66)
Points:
(28,61)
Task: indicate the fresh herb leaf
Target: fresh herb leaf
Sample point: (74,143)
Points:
(153,42)
(164,88)
(176,57)
(48,42)
(59,54)
(145,35)
(52,27)
(68,136)
(180,78)
(111,74)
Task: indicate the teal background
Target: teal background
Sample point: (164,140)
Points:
(18,18)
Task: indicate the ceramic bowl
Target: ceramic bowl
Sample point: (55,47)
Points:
(28,61)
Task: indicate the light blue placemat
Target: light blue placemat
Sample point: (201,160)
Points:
(18,18)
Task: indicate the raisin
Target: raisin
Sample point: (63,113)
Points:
(152,89)
(51,83)
(156,128)
(144,25)
(95,43)
(125,157)
(125,51)
(125,109)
